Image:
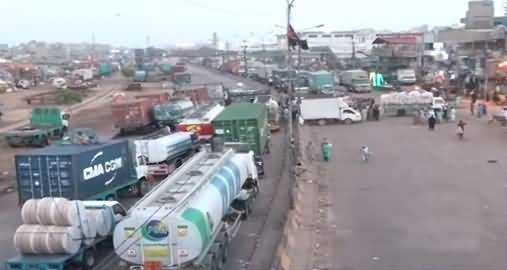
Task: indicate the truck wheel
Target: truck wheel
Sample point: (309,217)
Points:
(348,121)
(88,259)
(178,163)
(321,122)
(44,142)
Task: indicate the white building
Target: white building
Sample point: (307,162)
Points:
(342,43)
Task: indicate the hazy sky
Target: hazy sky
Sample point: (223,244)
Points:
(128,22)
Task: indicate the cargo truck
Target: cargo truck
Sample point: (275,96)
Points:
(45,124)
(200,121)
(356,80)
(328,110)
(142,116)
(244,123)
(165,152)
(101,171)
(180,78)
(82,250)
(321,81)
(190,219)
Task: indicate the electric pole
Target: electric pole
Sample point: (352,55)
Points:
(290,89)
(245,59)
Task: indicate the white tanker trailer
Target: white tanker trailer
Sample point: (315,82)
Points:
(189,219)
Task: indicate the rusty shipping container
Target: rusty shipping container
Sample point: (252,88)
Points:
(199,96)
(155,99)
(132,115)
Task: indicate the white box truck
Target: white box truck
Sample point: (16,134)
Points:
(328,110)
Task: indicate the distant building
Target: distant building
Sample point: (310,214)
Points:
(399,50)
(480,15)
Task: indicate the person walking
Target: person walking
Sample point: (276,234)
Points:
(445,114)
(460,131)
(327,150)
(431,122)
(376,113)
(452,114)
(364,114)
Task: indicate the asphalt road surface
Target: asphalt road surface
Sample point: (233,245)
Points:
(425,201)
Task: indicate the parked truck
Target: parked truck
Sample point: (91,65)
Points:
(356,80)
(74,243)
(81,172)
(321,81)
(328,110)
(244,123)
(163,153)
(200,121)
(143,116)
(45,124)
(190,219)
(408,103)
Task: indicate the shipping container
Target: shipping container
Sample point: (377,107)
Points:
(76,172)
(105,69)
(244,123)
(132,115)
(199,96)
(155,98)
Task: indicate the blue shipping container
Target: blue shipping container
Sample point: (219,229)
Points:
(75,172)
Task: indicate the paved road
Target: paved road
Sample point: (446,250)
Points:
(201,75)
(425,201)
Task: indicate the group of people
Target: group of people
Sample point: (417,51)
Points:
(370,113)
(435,116)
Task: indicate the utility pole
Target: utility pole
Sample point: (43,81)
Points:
(245,60)
(290,89)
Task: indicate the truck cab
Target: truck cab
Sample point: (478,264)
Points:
(438,103)
(49,117)
(115,208)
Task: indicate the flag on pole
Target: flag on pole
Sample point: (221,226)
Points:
(294,39)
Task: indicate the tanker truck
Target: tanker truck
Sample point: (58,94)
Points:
(188,221)
(59,234)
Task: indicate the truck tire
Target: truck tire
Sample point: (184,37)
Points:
(322,122)
(178,163)
(348,121)
(89,259)
(44,141)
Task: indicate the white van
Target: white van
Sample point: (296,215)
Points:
(326,110)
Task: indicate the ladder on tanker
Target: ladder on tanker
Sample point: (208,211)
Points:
(178,188)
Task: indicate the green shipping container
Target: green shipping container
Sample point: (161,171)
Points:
(244,123)
(321,80)
(105,69)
